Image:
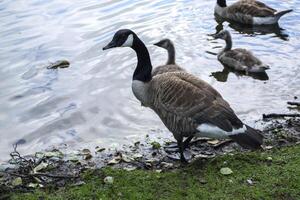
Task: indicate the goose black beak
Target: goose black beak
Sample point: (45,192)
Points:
(157,44)
(215,36)
(110,45)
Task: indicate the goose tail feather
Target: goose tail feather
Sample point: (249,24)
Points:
(281,13)
(250,139)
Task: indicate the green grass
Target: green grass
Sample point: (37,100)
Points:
(278,178)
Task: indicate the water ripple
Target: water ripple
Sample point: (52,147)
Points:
(92,100)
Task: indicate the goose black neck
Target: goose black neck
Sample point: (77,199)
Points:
(228,43)
(222,3)
(171,55)
(144,66)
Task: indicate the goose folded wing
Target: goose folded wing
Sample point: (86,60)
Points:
(259,4)
(251,9)
(184,96)
(243,56)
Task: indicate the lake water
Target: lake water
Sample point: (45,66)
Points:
(91,102)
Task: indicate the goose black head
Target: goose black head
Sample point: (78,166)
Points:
(222,35)
(165,43)
(222,3)
(122,38)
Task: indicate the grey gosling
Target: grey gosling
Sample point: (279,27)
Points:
(249,12)
(170,66)
(239,59)
(186,105)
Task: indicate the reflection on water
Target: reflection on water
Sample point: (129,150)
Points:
(91,102)
(222,76)
(253,30)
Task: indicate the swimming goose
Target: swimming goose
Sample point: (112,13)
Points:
(249,12)
(186,105)
(239,59)
(170,66)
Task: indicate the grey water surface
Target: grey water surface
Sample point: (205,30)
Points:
(91,102)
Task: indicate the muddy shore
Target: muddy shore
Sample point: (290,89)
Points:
(53,168)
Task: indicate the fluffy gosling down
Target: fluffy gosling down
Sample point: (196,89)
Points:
(170,66)
(239,59)
(249,12)
(186,105)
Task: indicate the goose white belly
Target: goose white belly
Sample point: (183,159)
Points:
(264,20)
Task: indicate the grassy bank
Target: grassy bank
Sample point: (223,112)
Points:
(271,175)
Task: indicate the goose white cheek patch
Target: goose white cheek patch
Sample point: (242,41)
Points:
(128,42)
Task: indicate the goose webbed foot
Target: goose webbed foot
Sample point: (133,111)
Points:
(174,147)
(180,147)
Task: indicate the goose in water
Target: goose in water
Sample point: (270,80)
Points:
(170,66)
(240,60)
(186,105)
(249,12)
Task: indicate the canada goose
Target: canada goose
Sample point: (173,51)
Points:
(170,66)
(186,105)
(239,59)
(249,12)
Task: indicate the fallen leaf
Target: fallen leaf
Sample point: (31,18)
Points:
(86,154)
(137,143)
(73,158)
(115,160)
(166,165)
(268,147)
(39,154)
(226,171)
(269,158)
(126,158)
(35,185)
(130,168)
(137,156)
(99,149)
(202,181)
(55,153)
(250,182)
(17,181)
(213,142)
(59,64)
(40,167)
(86,151)
(200,155)
(150,160)
(155,145)
(108,180)
(79,183)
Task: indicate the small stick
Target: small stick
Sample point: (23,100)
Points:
(294,103)
(54,176)
(41,174)
(274,115)
(221,144)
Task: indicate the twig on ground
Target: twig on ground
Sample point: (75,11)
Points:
(274,115)
(221,144)
(294,103)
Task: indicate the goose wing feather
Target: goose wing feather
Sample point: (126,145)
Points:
(259,4)
(243,56)
(183,102)
(251,8)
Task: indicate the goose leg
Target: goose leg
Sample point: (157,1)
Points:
(175,147)
(181,149)
(187,141)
